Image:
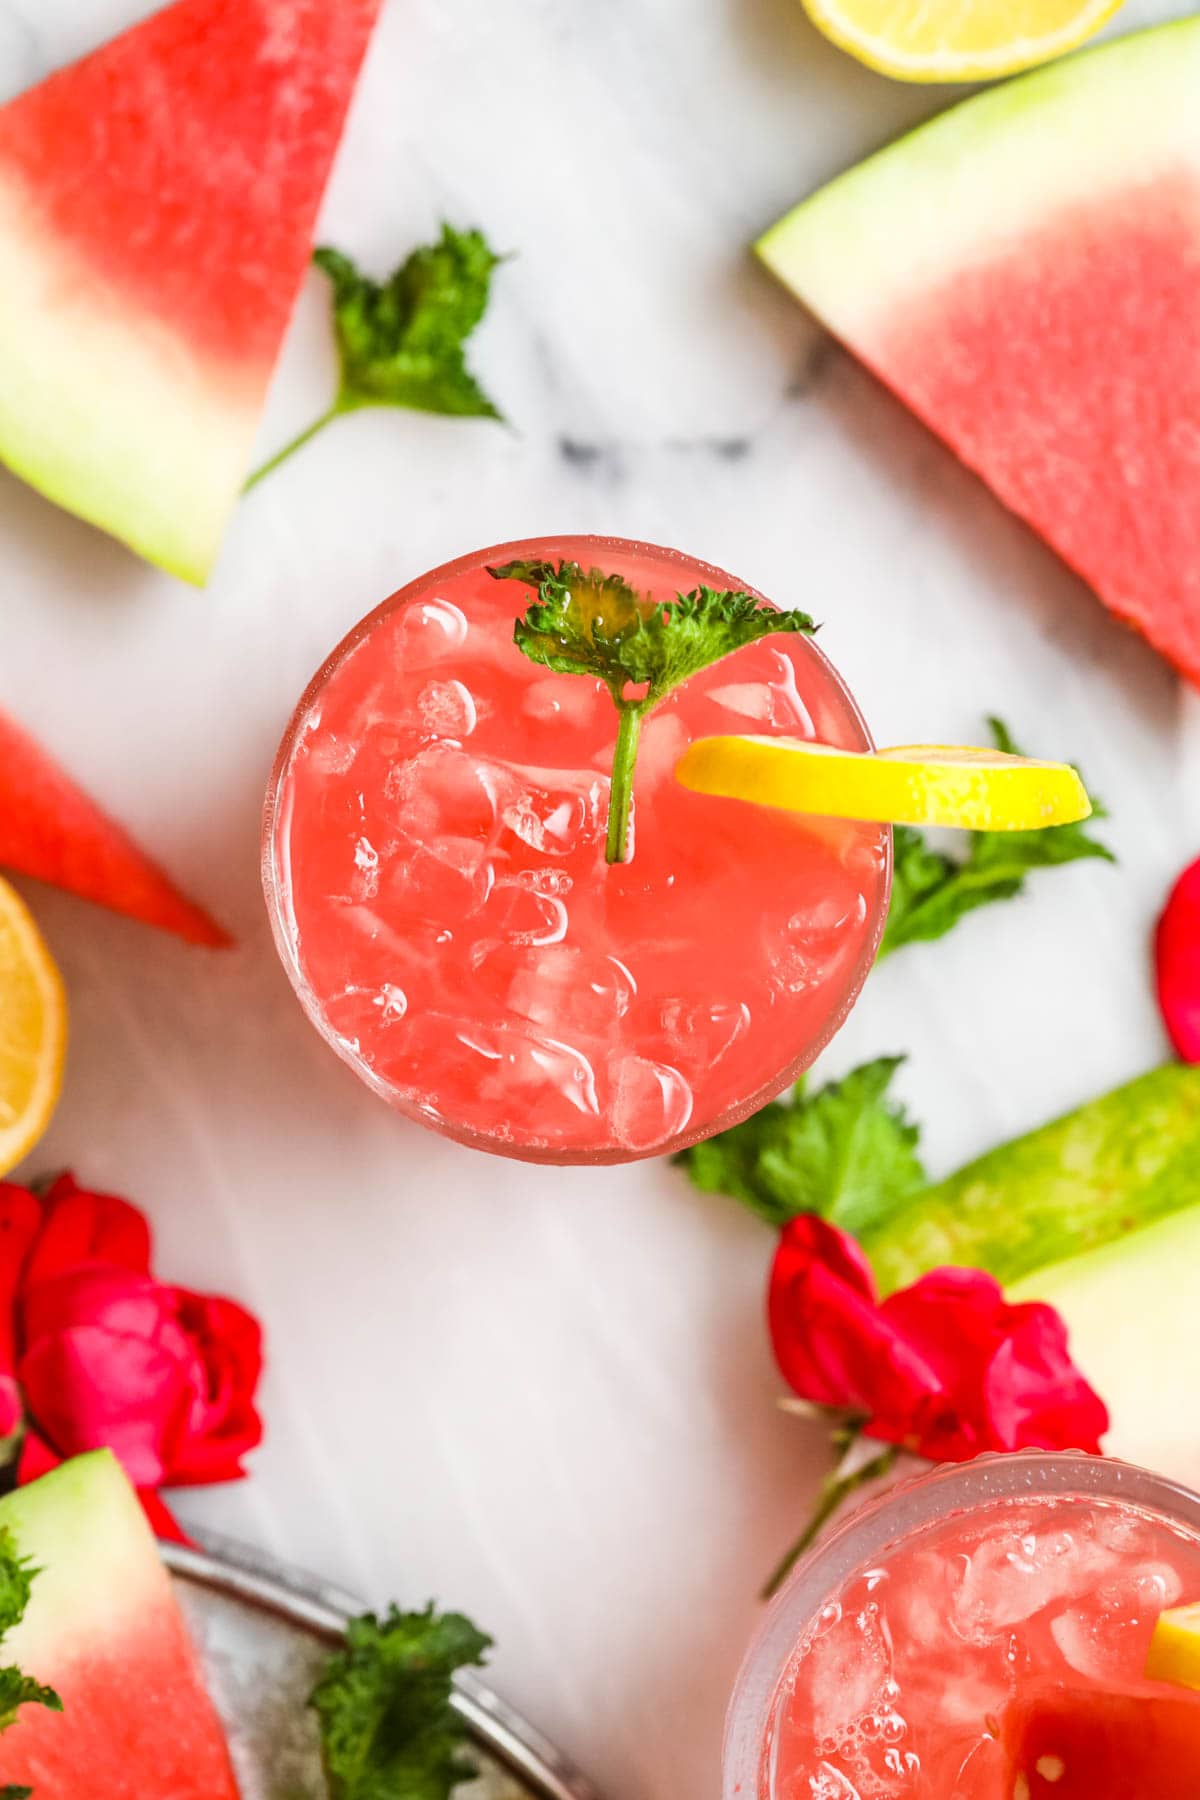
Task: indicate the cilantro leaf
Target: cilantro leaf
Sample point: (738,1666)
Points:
(585,622)
(401,342)
(388,1729)
(17,1576)
(931,892)
(847,1152)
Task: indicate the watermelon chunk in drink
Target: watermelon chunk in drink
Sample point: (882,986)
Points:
(1136,1743)
(103,1629)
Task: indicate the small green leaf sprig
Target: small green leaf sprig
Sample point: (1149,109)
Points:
(586,622)
(383,1704)
(17,1576)
(402,342)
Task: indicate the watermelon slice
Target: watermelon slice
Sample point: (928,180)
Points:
(102,1627)
(1097,1744)
(1024,272)
(157,205)
(51,830)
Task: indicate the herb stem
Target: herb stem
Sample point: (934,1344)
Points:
(296,443)
(836,1488)
(620,800)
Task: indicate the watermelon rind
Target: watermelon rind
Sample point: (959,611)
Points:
(971,182)
(83,1527)
(70,355)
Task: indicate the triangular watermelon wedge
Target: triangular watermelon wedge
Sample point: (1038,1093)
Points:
(51,830)
(157,205)
(1103,1744)
(103,1628)
(1024,272)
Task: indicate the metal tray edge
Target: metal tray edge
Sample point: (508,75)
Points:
(325,1611)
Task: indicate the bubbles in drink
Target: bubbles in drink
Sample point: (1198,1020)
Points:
(900,1686)
(445,815)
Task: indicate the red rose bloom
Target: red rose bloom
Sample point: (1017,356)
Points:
(95,1351)
(946,1367)
(1177,964)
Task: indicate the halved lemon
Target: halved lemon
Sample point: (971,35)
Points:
(33,1030)
(1174,1653)
(957,40)
(915,784)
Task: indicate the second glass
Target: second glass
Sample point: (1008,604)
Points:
(434,863)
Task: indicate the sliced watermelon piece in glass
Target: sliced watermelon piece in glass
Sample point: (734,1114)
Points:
(1139,1743)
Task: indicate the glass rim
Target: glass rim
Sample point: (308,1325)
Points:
(888,1520)
(274,882)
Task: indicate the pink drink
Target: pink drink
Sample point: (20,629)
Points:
(890,1658)
(435,866)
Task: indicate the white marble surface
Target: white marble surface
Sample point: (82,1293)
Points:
(546,1397)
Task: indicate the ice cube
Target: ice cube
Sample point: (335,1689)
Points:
(329,755)
(651,1101)
(828,1783)
(516,913)
(556,811)
(844,1672)
(562,700)
(775,701)
(449,875)
(818,936)
(560,986)
(1092,1647)
(700,1032)
(1145,1590)
(427,630)
(555,1075)
(444,789)
(664,740)
(1008,1579)
(446,709)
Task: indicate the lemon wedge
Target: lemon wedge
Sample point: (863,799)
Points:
(33,1030)
(1174,1653)
(957,40)
(915,784)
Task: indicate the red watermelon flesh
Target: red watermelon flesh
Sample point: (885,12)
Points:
(51,830)
(1095,1744)
(157,206)
(1024,272)
(1067,374)
(104,1630)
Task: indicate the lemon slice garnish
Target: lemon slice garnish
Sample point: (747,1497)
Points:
(1174,1653)
(914,784)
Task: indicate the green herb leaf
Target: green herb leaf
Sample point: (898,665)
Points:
(402,342)
(585,622)
(847,1152)
(17,1576)
(388,1730)
(931,892)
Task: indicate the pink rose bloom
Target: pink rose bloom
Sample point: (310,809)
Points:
(96,1351)
(946,1368)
